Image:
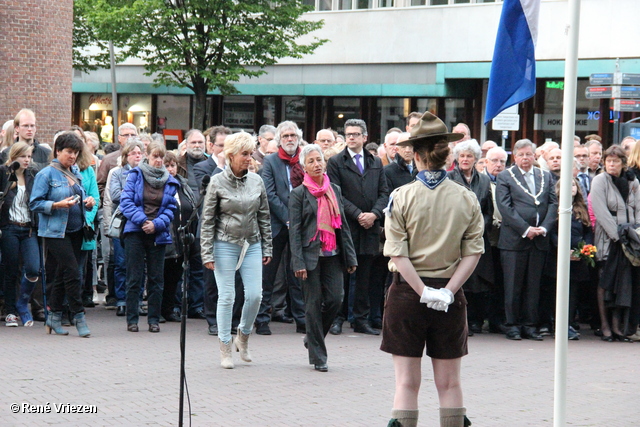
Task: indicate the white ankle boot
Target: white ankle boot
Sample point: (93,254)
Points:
(242,345)
(225,355)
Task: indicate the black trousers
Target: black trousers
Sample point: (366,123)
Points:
(522,274)
(323,292)
(269,271)
(65,253)
(361,292)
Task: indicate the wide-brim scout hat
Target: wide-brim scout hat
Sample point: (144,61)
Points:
(430,129)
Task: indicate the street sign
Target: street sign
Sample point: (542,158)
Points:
(630,79)
(626,105)
(506,121)
(598,92)
(626,92)
(601,79)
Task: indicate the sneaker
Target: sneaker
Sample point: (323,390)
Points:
(544,331)
(11,321)
(111,304)
(573,335)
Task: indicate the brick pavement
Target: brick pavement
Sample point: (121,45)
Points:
(133,379)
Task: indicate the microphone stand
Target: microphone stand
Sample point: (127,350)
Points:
(187,239)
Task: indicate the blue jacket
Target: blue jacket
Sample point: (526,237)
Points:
(90,186)
(131,206)
(51,186)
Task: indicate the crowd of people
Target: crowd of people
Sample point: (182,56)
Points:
(292,231)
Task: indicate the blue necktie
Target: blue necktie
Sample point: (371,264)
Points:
(360,168)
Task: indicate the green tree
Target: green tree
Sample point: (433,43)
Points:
(203,44)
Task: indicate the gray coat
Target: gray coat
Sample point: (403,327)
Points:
(605,200)
(235,210)
(304,252)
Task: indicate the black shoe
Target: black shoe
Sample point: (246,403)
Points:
(336,328)
(321,367)
(469,332)
(262,328)
(101,287)
(198,314)
(110,303)
(121,311)
(301,328)
(376,325)
(174,317)
(514,335)
(365,328)
(154,327)
(234,330)
(133,327)
(282,319)
(88,302)
(475,327)
(38,316)
(161,319)
(213,329)
(533,336)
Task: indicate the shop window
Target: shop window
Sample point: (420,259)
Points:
(269,110)
(391,113)
(427,104)
(135,109)
(294,109)
(238,113)
(454,112)
(173,112)
(343,110)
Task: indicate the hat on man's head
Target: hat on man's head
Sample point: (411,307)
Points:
(430,129)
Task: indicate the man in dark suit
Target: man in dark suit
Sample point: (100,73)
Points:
(281,173)
(364,189)
(528,205)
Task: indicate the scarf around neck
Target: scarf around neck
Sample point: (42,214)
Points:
(328,211)
(155,177)
(296,174)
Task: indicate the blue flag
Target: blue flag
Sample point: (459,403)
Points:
(513,69)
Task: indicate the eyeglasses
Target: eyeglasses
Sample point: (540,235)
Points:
(504,162)
(353,135)
(219,145)
(127,135)
(289,136)
(135,153)
(582,156)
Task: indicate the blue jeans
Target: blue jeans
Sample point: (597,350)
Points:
(119,272)
(18,243)
(136,246)
(226,258)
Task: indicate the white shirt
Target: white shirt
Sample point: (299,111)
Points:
(353,156)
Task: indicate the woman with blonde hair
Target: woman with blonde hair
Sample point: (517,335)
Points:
(19,240)
(236,235)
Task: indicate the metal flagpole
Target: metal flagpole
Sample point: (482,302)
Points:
(114,93)
(564,225)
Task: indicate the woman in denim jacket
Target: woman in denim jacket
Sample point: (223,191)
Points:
(148,202)
(59,200)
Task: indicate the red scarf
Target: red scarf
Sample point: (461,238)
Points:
(296,175)
(328,211)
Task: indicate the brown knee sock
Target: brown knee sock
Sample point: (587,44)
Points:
(403,418)
(452,417)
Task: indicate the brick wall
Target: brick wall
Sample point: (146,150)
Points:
(36,62)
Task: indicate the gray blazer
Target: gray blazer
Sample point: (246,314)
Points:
(520,212)
(303,208)
(276,181)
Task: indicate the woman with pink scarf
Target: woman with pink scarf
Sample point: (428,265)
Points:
(321,249)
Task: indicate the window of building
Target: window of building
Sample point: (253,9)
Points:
(343,110)
(173,112)
(294,109)
(238,113)
(454,112)
(391,113)
(269,110)
(427,104)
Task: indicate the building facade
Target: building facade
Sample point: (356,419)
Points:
(386,58)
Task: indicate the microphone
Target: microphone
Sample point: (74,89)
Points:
(205,183)
(14,166)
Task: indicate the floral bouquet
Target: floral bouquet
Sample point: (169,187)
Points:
(585,252)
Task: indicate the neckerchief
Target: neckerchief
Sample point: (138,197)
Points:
(296,174)
(328,215)
(432,178)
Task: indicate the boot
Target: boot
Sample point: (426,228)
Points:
(403,418)
(242,345)
(454,417)
(53,323)
(81,325)
(225,355)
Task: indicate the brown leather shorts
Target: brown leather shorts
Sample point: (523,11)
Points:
(409,324)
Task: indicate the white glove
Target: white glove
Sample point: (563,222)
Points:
(445,298)
(429,296)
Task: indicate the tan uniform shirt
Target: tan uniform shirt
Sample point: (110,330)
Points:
(434,228)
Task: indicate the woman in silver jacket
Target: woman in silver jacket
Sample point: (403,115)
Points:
(236,235)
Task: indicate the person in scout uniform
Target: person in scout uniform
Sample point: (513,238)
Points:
(434,230)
